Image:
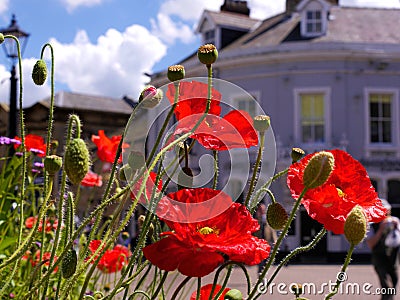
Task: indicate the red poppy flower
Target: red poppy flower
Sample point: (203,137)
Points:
(193,99)
(33,143)
(197,248)
(31,221)
(112,260)
(92,179)
(148,191)
(106,147)
(234,130)
(45,257)
(348,185)
(205,292)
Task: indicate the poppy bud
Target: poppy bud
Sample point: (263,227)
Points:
(207,54)
(318,169)
(276,216)
(54,146)
(296,289)
(233,294)
(125,235)
(261,123)
(297,154)
(176,72)
(1,38)
(76,160)
(68,264)
(39,72)
(150,96)
(136,160)
(185,178)
(355,227)
(141,220)
(52,164)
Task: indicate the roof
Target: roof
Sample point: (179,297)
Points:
(89,103)
(345,25)
(229,19)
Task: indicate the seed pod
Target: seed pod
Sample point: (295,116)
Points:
(76,160)
(68,264)
(150,96)
(276,216)
(176,72)
(297,154)
(207,54)
(262,123)
(39,72)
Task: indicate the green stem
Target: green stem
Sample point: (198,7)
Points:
(160,285)
(180,286)
(296,251)
(223,286)
(198,292)
(254,178)
(216,170)
(342,271)
(277,245)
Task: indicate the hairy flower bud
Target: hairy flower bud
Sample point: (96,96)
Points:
(318,169)
(207,54)
(52,164)
(262,123)
(1,38)
(355,227)
(176,72)
(150,96)
(39,72)
(68,264)
(276,216)
(76,160)
(233,294)
(297,154)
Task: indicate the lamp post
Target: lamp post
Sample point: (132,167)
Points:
(11,50)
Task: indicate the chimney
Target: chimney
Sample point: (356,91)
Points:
(236,6)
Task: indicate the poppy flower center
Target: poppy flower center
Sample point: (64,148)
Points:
(340,193)
(208,230)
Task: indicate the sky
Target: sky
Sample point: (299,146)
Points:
(104,47)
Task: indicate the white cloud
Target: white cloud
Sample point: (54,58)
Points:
(169,31)
(261,9)
(4,6)
(114,66)
(189,10)
(73,4)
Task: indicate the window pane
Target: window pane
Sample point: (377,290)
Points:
(394,191)
(387,132)
(312,118)
(380,106)
(386,110)
(374,109)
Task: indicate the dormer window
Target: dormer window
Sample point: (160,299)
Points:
(313,17)
(314,22)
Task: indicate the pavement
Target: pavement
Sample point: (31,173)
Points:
(358,282)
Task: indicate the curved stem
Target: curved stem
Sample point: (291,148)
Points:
(296,251)
(180,286)
(216,170)
(277,245)
(343,270)
(254,178)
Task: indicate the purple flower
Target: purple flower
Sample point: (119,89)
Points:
(38,164)
(7,141)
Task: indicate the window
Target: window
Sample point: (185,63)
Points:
(312,118)
(393,191)
(248,103)
(380,117)
(314,21)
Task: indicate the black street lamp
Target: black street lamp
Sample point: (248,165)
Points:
(11,50)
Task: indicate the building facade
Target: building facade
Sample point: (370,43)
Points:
(329,77)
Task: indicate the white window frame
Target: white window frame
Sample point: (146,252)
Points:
(395,144)
(313,6)
(326,91)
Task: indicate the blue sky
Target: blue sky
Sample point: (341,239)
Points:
(103,47)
